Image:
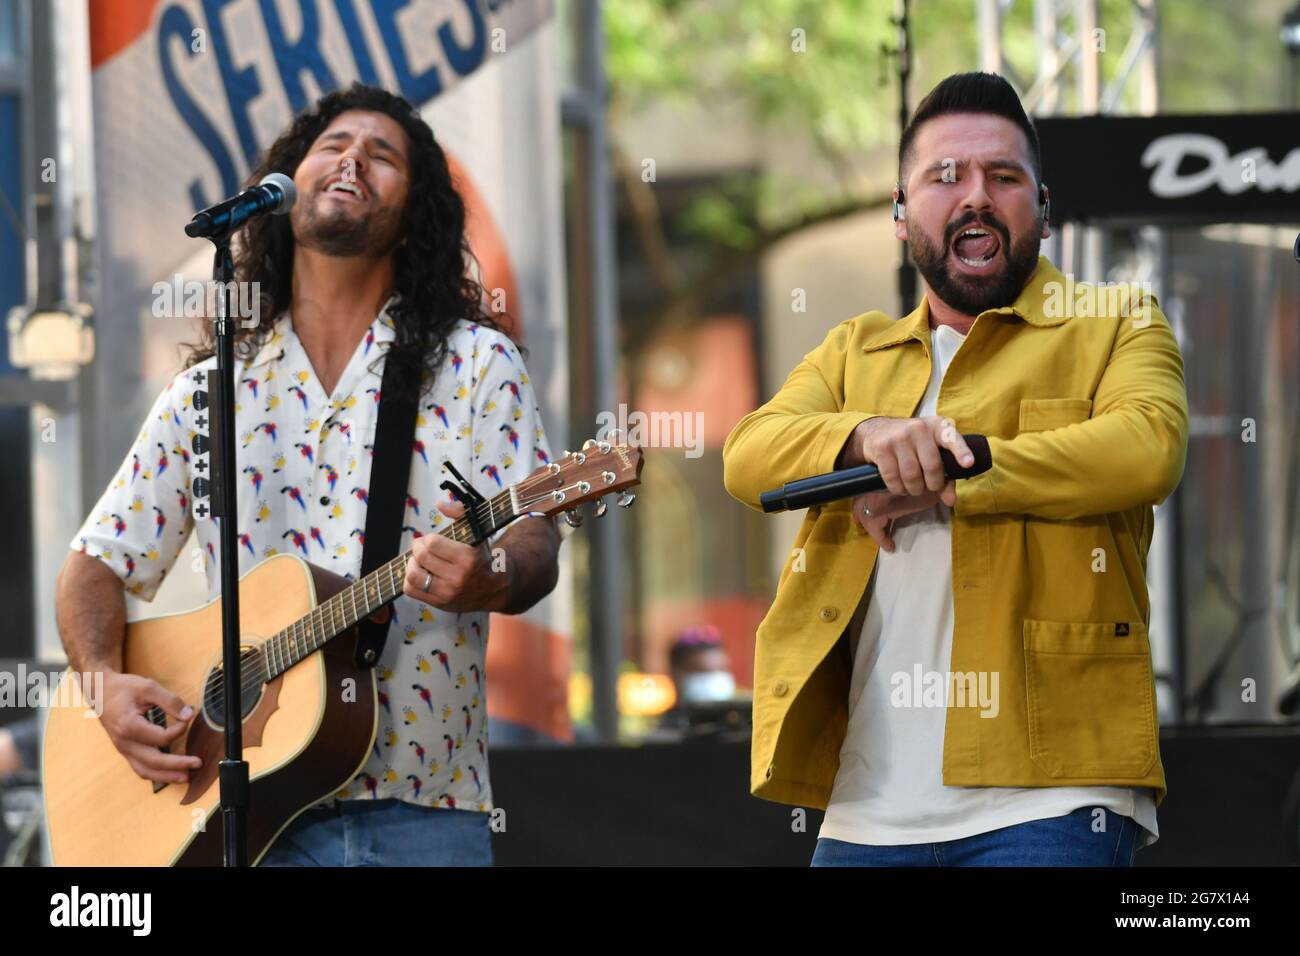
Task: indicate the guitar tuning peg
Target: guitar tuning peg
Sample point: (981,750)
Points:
(625,499)
(573,519)
(601,507)
(588,444)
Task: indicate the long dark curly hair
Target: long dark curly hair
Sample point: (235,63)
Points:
(432,279)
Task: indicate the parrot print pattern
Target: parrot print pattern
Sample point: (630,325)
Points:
(303,472)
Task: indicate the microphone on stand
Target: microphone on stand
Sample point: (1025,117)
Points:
(275,194)
(851,482)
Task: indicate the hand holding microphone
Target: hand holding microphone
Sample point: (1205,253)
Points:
(906,451)
(892,466)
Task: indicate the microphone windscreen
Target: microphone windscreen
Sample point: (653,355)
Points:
(979,449)
(286,186)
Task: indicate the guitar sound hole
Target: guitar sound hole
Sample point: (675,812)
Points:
(214,692)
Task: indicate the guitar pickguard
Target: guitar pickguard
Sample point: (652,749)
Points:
(209,743)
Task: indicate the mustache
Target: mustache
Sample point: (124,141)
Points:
(975,219)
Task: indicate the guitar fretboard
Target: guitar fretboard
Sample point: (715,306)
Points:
(357,602)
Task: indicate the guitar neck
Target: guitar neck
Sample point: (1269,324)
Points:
(357,602)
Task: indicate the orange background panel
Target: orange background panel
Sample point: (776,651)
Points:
(528,676)
(489,248)
(115,25)
(722,383)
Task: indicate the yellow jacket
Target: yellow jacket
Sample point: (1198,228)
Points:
(1087,424)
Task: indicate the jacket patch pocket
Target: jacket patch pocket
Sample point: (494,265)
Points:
(1090,698)
(1041,414)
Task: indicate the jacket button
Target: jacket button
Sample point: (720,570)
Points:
(324,499)
(829,614)
(780,688)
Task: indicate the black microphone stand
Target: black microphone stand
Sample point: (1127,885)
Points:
(234,769)
(276,194)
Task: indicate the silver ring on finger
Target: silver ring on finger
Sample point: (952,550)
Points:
(428,579)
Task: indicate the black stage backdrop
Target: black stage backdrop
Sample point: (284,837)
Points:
(1173,168)
(1231,802)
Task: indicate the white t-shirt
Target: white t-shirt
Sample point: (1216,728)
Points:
(889,789)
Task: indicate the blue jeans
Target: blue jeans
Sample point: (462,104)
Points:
(383,833)
(1057,841)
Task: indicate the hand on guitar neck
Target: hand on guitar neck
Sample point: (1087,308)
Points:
(460,577)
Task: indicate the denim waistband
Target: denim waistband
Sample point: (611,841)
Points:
(350,807)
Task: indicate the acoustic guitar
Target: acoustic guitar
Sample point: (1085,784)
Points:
(305,735)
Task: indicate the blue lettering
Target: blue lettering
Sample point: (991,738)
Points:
(418,89)
(175,24)
(347,12)
(465,59)
(241,86)
(294,59)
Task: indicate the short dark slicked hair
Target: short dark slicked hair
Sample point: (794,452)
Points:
(971,93)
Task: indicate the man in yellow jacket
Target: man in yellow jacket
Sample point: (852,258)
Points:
(959,671)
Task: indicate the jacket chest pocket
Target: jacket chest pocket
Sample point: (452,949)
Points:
(1041,414)
(1090,698)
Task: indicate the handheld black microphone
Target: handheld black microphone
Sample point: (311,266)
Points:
(276,194)
(851,482)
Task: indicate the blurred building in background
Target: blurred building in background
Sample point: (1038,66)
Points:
(681,200)
(755,149)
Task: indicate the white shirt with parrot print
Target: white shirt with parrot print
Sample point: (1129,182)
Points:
(304,465)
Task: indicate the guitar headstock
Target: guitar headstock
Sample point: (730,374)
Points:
(599,469)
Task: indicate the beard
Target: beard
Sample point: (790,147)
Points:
(969,294)
(335,232)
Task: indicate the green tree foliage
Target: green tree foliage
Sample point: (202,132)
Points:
(816,70)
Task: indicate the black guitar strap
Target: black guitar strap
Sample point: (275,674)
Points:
(390,471)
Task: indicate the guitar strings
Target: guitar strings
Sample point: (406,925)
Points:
(254,679)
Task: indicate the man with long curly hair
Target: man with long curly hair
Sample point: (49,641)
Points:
(370,267)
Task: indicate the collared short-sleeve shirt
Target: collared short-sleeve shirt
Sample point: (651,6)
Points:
(304,461)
